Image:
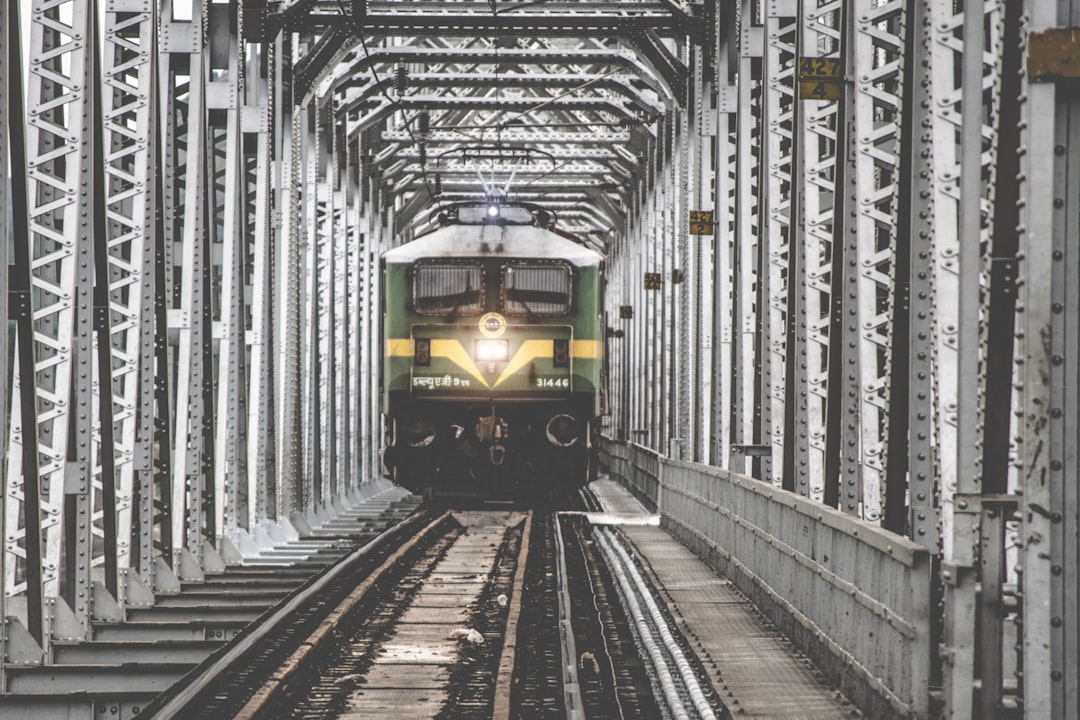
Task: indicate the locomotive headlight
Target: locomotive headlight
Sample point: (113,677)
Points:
(492,350)
(493,210)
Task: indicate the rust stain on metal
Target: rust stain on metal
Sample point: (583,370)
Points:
(1054,53)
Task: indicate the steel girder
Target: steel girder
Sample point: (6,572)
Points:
(580,19)
(46,375)
(9,35)
(558,102)
(1046,377)
(863,276)
(866,279)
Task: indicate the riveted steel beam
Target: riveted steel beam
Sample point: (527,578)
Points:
(371,113)
(542,138)
(188,203)
(663,62)
(57,190)
(568,85)
(9,29)
(575,54)
(584,19)
(781,62)
(1046,375)
(126,282)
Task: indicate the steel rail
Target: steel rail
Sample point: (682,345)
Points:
(504,680)
(213,669)
(571,687)
(271,689)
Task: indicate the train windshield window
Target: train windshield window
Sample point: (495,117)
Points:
(536,289)
(448,289)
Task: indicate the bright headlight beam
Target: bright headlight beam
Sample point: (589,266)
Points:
(492,350)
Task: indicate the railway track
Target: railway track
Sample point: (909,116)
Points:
(468,614)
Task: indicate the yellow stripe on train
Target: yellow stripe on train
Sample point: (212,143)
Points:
(529,351)
(399,347)
(590,349)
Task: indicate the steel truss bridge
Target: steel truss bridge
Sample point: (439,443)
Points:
(876,323)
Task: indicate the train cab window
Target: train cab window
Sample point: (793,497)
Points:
(448,289)
(535,290)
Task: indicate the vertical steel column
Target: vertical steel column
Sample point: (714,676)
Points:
(379,241)
(372,327)
(961,215)
(320,234)
(818,155)
(747,233)
(127,266)
(653,395)
(843,486)
(695,154)
(369,360)
(170,185)
(723,240)
(356,470)
(22,478)
(310,482)
(781,32)
(224,98)
(189,491)
(373,332)
(878,50)
(259,117)
(79,490)
(1049,303)
(923,517)
(682,277)
(642,362)
(668,351)
(998,567)
(155,508)
(944,65)
(329,244)
(290,401)
(9,30)
(325,297)
(54,297)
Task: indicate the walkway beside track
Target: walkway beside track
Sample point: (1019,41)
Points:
(752,666)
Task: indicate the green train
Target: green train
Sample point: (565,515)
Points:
(493,355)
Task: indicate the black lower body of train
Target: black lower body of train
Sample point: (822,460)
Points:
(498,448)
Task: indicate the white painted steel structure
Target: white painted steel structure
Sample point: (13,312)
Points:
(882,321)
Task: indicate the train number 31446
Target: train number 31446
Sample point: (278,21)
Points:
(553,382)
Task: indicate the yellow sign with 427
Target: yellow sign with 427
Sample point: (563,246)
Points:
(820,78)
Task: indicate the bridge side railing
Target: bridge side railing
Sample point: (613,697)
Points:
(853,597)
(636,467)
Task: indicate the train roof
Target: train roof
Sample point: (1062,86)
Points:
(494,241)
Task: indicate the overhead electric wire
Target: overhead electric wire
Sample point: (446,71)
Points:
(396,105)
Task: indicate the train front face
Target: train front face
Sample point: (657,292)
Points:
(493,365)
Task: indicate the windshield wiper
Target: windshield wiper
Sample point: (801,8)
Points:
(515,295)
(460,299)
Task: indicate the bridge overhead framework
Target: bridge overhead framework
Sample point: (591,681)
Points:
(843,267)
